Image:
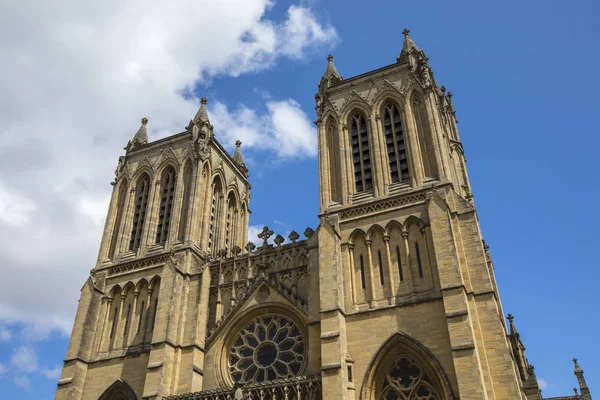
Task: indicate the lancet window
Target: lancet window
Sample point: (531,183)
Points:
(396,148)
(215,212)
(231,223)
(167,192)
(185,206)
(139,214)
(406,379)
(361,156)
(117,224)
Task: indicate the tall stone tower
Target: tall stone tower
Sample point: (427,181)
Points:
(393,296)
(406,280)
(141,323)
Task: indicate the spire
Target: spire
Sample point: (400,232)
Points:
(331,71)
(409,48)
(140,138)
(408,43)
(202,114)
(238,158)
(585,391)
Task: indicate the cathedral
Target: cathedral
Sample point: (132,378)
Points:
(391,296)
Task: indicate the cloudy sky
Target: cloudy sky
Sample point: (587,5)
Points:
(77,77)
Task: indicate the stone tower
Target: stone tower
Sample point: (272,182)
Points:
(393,296)
(141,322)
(405,277)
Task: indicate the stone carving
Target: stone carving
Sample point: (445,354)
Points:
(383,205)
(294,236)
(278,240)
(265,235)
(309,232)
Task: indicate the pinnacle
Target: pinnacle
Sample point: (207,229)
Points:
(141,137)
(237,154)
(408,43)
(331,70)
(202,114)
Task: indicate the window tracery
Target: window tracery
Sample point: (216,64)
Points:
(267,348)
(405,379)
(361,157)
(139,215)
(334,162)
(167,191)
(396,148)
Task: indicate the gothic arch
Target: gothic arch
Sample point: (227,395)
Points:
(356,233)
(168,161)
(389,95)
(391,225)
(374,228)
(398,351)
(413,220)
(355,103)
(119,390)
(140,172)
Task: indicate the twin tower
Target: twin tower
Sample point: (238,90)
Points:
(393,296)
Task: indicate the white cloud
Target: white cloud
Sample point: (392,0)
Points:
(543,383)
(76,78)
(53,373)
(284,128)
(24,359)
(253,231)
(3,368)
(23,382)
(5,335)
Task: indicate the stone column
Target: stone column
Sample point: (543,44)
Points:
(437,134)
(413,149)
(146,313)
(109,225)
(176,210)
(376,167)
(386,177)
(346,161)
(323,166)
(101,341)
(368,242)
(386,240)
(117,339)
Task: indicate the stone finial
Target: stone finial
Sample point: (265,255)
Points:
(406,31)
(250,246)
(575,391)
(238,159)
(236,250)
(510,318)
(294,236)
(279,240)
(408,44)
(331,70)
(202,114)
(309,232)
(577,367)
(140,138)
(265,235)
(443,89)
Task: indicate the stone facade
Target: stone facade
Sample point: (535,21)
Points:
(393,296)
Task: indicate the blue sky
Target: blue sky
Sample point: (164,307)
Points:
(524,91)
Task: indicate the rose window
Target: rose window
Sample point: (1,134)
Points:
(406,380)
(269,347)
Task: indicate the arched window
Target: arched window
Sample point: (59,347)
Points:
(215,212)
(361,156)
(139,213)
(396,148)
(231,222)
(335,172)
(119,390)
(424,135)
(406,379)
(403,369)
(187,192)
(117,224)
(167,192)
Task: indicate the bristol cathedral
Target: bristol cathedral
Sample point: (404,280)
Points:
(392,296)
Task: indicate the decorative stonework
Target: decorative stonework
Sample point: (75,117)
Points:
(383,205)
(269,347)
(139,264)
